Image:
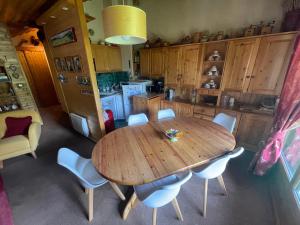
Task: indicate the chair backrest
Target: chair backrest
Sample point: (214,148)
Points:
(217,166)
(226,121)
(76,164)
(137,119)
(18,113)
(165,114)
(166,193)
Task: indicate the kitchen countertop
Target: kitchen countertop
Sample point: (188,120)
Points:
(253,109)
(149,95)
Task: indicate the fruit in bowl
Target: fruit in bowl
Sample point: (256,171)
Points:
(173,134)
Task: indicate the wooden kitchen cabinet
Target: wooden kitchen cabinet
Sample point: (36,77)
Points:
(184,109)
(190,65)
(107,58)
(145,62)
(149,105)
(157,57)
(239,64)
(100,58)
(173,66)
(165,104)
(271,64)
(253,128)
(114,58)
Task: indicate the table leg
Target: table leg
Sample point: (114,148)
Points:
(130,205)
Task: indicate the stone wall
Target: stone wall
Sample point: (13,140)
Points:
(15,93)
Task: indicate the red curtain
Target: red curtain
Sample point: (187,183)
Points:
(288,112)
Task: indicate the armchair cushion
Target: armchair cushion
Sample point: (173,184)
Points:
(17,126)
(13,146)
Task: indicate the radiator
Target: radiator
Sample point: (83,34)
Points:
(79,123)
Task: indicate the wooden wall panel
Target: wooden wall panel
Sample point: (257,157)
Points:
(87,105)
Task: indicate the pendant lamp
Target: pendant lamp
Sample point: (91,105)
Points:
(124,25)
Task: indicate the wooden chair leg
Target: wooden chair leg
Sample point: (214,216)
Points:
(177,209)
(130,205)
(91,203)
(117,190)
(221,182)
(1,164)
(205,197)
(154,215)
(34,155)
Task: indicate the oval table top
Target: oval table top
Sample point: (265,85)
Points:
(137,155)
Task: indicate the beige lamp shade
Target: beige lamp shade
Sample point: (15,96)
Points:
(124,25)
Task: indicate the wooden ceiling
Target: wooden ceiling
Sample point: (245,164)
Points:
(18,14)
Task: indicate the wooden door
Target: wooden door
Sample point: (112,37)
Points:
(253,129)
(145,62)
(164,104)
(114,59)
(190,65)
(184,109)
(271,64)
(38,74)
(173,61)
(100,56)
(153,108)
(157,62)
(239,64)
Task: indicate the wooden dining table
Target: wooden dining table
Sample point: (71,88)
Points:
(136,155)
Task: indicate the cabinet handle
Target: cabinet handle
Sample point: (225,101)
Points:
(248,77)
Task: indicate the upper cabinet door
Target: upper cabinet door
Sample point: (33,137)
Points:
(271,64)
(100,58)
(239,64)
(114,58)
(190,65)
(173,66)
(157,62)
(145,62)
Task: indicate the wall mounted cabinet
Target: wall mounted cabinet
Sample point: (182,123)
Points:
(152,62)
(239,65)
(107,58)
(271,64)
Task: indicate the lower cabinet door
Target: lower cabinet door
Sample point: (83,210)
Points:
(253,129)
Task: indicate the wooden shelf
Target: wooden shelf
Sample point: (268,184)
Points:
(206,91)
(89,18)
(209,62)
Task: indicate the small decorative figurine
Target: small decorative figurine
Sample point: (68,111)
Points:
(215,56)
(220,35)
(213,71)
(212,84)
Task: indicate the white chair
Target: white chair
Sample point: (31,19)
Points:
(215,169)
(226,121)
(162,192)
(86,173)
(165,114)
(137,119)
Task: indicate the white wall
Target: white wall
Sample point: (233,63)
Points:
(171,19)
(94,8)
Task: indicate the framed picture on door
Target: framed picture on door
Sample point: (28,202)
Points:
(70,64)
(57,64)
(77,64)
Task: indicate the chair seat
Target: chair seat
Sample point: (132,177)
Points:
(90,174)
(143,191)
(11,145)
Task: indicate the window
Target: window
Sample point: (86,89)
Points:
(291,151)
(290,156)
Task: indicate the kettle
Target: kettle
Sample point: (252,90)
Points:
(170,94)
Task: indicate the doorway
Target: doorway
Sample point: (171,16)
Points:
(36,68)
